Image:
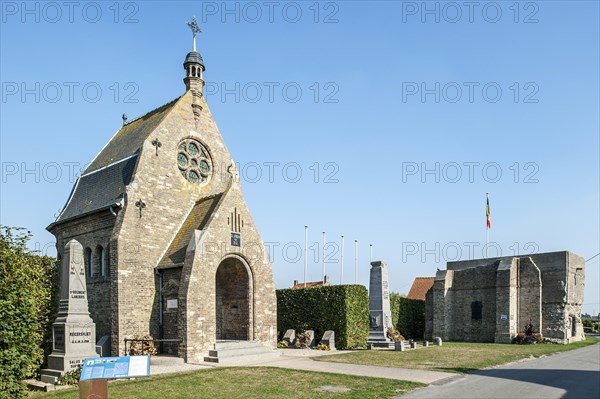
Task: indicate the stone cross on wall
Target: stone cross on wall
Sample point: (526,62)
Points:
(380,315)
(73,332)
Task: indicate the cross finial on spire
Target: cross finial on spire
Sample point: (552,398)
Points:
(193,24)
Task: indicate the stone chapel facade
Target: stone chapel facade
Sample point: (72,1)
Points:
(492,300)
(170,247)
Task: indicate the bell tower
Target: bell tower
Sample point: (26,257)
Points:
(194,67)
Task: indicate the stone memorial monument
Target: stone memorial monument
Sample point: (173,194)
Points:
(73,332)
(310,338)
(290,337)
(329,339)
(380,316)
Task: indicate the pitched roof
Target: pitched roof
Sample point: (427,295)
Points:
(130,137)
(309,284)
(420,287)
(99,189)
(196,220)
(104,180)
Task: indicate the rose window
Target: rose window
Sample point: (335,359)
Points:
(193,161)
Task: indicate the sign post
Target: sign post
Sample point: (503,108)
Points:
(96,372)
(93,389)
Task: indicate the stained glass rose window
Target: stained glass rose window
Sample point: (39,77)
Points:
(193,161)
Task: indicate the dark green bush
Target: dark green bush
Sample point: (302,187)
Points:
(341,308)
(28,284)
(408,315)
(593,325)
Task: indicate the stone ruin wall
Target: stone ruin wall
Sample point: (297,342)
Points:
(469,286)
(549,292)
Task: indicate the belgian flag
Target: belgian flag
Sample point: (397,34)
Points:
(487,213)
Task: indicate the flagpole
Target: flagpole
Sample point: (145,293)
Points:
(342,263)
(355,261)
(487,229)
(305,253)
(486,240)
(323,258)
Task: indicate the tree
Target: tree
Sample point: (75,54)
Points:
(28,286)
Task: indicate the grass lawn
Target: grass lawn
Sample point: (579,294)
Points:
(453,357)
(247,383)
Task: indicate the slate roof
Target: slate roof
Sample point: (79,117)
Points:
(130,137)
(98,189)
(196,220)
(103,182)
(420,287)
(194,57)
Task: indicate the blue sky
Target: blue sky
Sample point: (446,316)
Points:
(408,114)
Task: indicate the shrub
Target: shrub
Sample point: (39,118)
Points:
(341,308)
(408,315)
(591,324)
(28,283)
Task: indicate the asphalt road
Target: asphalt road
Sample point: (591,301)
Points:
(568,375)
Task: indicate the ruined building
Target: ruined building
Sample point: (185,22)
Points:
(492,300)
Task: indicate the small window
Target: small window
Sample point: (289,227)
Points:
(476,310)
(88,262)
(106,262)
(101,262)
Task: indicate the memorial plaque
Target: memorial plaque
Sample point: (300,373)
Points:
(59,338)
(329,339)
(172,303)
(290,337)
(236,240)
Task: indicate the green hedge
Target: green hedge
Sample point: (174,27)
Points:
(28,283)
(341,308)
(408,315)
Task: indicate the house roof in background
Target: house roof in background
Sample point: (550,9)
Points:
(420,287)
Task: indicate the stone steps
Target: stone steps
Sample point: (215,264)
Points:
(222,345)
(50,376)
(164,360)
(35,385)
(230,352)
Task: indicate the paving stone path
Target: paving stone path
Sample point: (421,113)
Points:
(304,363)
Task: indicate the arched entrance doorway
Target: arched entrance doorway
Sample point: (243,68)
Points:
(233,300)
